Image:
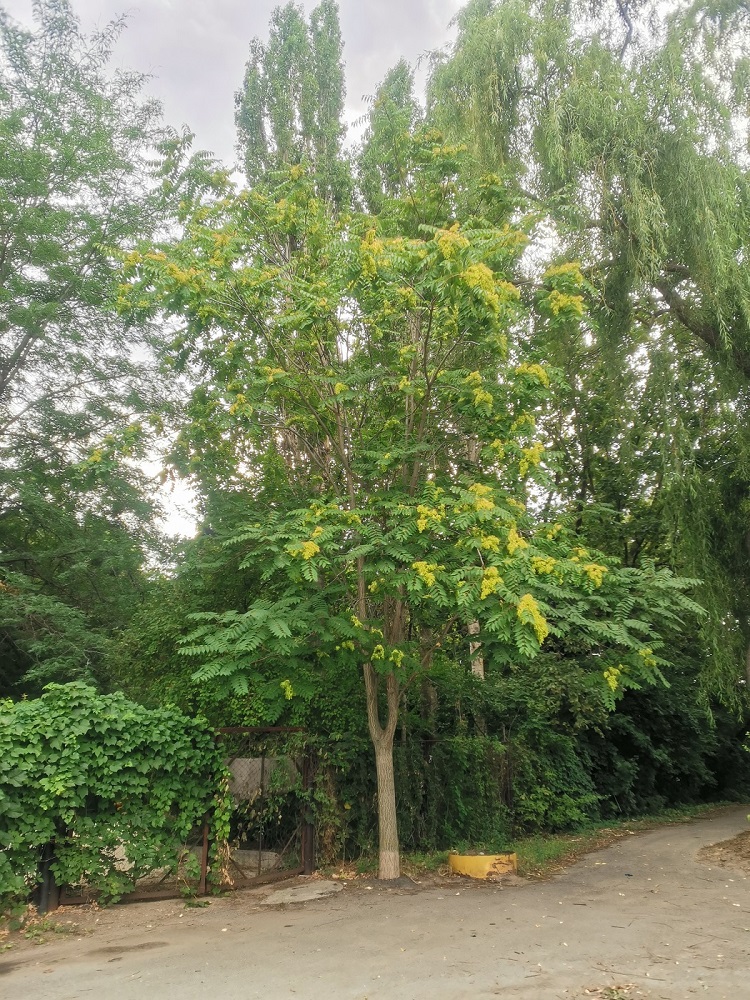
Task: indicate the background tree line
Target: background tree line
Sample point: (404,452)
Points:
(464,407)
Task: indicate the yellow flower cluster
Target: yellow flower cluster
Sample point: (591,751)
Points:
(473,378)
(307,550)
(571,269)
(339,388)
(489,543)
(515,541)
(491,581)
(378,653)
(426,514)
(372,250)
(482,398)
(397,657)
(482,497)
(286,687)
(426,571)
(612,676)
(271,373)
(559,301)
(479,278)
(535,371)
(450,241)
(543,564)
(528,612)
(595,573)
(530,457)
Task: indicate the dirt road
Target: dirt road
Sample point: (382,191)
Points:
(644,916)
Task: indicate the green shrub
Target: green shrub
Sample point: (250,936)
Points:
(100,776)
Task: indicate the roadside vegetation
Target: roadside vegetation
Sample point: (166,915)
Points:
(464,409)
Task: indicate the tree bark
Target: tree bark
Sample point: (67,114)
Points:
(389,862)
(477,660)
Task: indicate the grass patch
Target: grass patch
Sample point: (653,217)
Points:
(539,855)
(542,855)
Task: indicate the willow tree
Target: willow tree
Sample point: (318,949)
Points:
(624,127)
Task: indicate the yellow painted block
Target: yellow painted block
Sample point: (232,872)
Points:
(483,865)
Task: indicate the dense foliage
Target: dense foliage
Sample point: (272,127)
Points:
(116,788)
(464,409)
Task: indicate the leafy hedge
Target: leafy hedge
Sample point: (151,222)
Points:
(100,776)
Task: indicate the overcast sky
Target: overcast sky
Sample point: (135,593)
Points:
(196,49)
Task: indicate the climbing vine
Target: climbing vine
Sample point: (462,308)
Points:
(117,788)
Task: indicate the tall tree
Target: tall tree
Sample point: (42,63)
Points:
(291,104)
(79,183)
(356,368)
(624,126)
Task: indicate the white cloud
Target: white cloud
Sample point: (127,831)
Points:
(196,49)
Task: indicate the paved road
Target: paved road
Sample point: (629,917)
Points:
(642,912)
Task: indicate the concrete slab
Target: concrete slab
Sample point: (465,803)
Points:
(318,889)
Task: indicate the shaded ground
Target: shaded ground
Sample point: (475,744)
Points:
(642,918)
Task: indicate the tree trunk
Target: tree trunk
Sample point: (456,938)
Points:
(389,865)
(477,660)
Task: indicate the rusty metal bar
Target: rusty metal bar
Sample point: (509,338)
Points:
(259,730)
(204,860)
(307,846)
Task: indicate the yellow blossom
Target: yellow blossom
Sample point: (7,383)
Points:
(305,549)
(482,497)
(491,581)
(570,270)
(531,456)
(611,676)
(426,571)
(450,241)
(482,398)
(396,657)
(378,653)
(595,573)
(543,564)
(426,514)
(528,612)
(558,301)
(339,388)
(515,541)
(489,543)
(286,687)
(536,371)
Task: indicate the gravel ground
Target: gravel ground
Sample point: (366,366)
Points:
(664,914)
